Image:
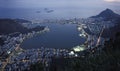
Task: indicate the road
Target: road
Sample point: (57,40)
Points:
(8,60)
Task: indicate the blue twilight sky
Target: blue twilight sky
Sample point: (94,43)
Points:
(75,6)
(58,3)
(88,4)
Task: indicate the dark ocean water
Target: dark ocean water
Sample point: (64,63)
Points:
(40,13)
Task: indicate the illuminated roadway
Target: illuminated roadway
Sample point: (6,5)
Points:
(8,59)
(98,41)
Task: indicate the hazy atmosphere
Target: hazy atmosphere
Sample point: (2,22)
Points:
(78,8)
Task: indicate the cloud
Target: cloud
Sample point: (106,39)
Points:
(112,0)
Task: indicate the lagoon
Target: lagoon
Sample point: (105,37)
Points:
(60,36)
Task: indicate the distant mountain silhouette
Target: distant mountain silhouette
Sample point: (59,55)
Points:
(107,14)
(22,21)
(8,26)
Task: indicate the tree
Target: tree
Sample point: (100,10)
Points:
(37,67)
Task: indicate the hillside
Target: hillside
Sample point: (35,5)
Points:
(8,26)
(107,14)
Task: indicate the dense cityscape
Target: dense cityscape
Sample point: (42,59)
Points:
(99,52)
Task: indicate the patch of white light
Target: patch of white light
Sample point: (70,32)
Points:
(78,48)
(76,55)
(79,28)
(8,52)
(71,53)
(82,35)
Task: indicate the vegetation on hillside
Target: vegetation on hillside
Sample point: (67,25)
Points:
(1,41)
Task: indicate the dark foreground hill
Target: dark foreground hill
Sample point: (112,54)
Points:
(110,32)
(1,41)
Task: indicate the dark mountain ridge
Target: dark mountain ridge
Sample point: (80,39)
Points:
(107,14)
(8,26)
(22,21)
